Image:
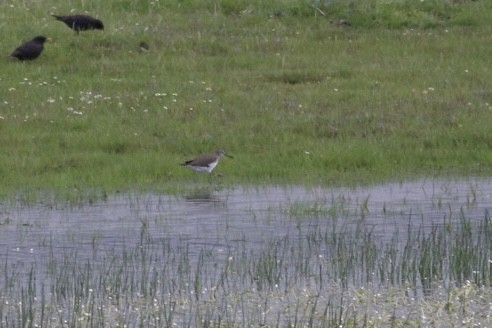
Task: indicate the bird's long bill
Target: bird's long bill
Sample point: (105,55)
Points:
(230,156)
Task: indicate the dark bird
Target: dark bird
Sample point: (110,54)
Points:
(343,23)
(144,46)
(29,50)
(206,162)
(81,22)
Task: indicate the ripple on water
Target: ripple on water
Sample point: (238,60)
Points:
(293,239)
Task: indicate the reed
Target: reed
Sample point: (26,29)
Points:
(313,277)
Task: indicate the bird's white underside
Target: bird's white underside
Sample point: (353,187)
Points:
(207,168)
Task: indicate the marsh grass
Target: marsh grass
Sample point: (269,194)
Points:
(404,91)
(316,277)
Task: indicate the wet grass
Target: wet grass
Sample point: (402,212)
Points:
(401,92)
(316,276)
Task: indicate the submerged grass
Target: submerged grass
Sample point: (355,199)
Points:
(401,92)
(318,277)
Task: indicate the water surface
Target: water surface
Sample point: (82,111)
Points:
(242,240)
(212,216)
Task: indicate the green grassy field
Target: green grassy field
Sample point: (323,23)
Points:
(404,91)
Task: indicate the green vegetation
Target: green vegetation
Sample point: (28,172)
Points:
(404,91)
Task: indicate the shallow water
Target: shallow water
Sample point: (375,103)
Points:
(212,217)
(208,227)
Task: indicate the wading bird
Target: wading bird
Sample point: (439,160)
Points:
(206,162)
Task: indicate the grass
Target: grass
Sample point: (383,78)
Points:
(403,92)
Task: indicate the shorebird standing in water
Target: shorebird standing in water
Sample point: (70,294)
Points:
(206,162)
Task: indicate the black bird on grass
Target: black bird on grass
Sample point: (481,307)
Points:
(81,22)
(30,50)
(144,46)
